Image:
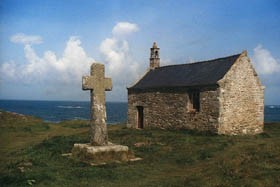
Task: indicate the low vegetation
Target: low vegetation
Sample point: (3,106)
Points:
(31,154)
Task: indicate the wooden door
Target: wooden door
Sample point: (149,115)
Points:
(140,117)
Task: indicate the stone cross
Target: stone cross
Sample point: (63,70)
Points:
(98,84)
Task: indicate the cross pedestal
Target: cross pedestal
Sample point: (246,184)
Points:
(99,150)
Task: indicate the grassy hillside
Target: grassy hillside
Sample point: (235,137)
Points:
(30,154)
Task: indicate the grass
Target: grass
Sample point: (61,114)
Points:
(30,154)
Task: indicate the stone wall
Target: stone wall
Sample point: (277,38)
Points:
(234,107)
(169,109)
(241,100)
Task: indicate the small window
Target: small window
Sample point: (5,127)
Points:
(194,101)
(156,54)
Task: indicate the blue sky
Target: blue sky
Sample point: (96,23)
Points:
(46,46)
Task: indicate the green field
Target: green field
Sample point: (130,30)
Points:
(30,154)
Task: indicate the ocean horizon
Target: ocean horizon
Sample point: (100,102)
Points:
(56,111)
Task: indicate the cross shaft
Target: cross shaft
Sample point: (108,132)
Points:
(98,84)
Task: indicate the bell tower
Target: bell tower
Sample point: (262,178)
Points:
(154,59)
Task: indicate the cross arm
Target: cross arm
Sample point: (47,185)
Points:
(87,83)
(108,84)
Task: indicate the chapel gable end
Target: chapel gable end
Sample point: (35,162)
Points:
(241,70)
(241,99)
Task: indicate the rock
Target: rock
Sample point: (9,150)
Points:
(67,154)
(135,159)
(21,169)
(27,164)
(139,144)
(100,154)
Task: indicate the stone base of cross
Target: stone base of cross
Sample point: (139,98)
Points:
(99,150)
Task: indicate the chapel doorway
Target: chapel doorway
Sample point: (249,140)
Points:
(140,117)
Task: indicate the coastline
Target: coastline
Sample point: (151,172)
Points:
(57,111)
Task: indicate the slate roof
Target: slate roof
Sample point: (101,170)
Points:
(187,75)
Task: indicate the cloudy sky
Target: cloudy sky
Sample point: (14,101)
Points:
(46,46)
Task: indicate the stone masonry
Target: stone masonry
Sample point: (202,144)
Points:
(241,98)
(234,106)
(168,109)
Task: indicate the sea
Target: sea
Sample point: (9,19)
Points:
(56,111)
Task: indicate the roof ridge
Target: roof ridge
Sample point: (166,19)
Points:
(199,61)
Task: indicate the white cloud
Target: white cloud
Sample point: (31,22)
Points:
(68,69)
(119,63)
(124,28)
(7,70)
(118,60)
(25,39)
(65,73)
(264,62)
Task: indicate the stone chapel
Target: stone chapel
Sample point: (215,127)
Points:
(223,95)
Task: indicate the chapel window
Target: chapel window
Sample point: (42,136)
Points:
(156,54)
(194,101)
